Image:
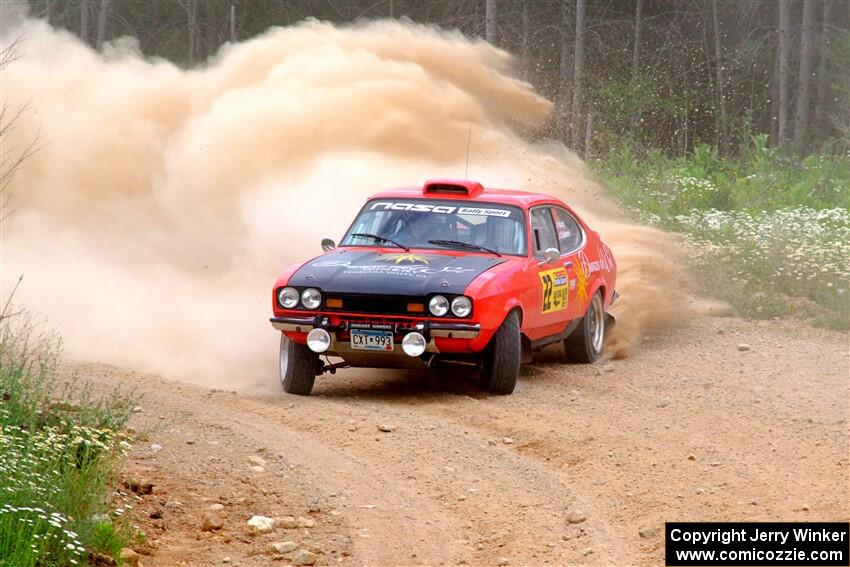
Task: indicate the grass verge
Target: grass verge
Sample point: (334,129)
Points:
(58,446)
(769,236)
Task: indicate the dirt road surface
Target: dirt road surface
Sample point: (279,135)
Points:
(582,465)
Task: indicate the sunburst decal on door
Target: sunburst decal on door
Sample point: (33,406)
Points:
(581,282)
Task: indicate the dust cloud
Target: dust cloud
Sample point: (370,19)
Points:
(164,202)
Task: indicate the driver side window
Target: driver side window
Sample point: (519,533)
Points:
(543,233)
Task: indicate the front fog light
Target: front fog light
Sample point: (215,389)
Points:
(311,298)
(413,344)
(461,306)
(318,340)
(438,305)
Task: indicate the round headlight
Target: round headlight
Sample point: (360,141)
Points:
(311,298)
(461,306)
(318,340)
(287,297)
(438,305)
(413,344)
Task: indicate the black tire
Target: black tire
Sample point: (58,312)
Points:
(502,357)
(584,344)
(298,366)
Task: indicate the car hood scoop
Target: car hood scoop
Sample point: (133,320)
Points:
(397,273)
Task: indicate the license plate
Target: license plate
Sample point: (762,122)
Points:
(371,340)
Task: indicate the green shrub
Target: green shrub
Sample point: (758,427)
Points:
(58,444)
(761,179)
(776,262)
(105,537)
(767,234)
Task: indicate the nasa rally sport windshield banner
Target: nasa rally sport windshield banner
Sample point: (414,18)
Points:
(402,273)
(443,207)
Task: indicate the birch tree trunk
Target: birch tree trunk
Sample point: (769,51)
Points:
(192,13)
(102,22)
(490,21)
(84,20)
(784,71)
(233,20)
(804,83)
(526,33)
(774,99)
(566,73)
(636,63)
(723,121)
(822,84)
(578,72)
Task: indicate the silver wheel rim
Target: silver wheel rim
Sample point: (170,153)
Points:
(596,315)
(284,356)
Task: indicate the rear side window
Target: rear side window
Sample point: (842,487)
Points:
(543,234)
(568,229)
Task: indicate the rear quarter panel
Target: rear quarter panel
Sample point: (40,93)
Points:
(593,268)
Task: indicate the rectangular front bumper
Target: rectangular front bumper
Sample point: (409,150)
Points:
(427,328)
(294,324)
(454,330)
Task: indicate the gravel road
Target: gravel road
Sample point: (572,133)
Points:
(582,465)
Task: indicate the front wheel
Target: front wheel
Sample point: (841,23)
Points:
(585,343)
(502,357)
(298,367)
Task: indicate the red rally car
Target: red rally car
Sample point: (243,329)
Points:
(449,273)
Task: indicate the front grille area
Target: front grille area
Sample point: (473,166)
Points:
(379,304)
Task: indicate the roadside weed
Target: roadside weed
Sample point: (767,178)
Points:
(58,444)
(765,234)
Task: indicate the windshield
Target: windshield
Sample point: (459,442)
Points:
(415,222)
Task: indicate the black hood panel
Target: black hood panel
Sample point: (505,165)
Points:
(402,273)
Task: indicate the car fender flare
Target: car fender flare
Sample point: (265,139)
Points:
(511,304)
(607,298)
(514,304)
(600,285)
(610,320)
(597,285)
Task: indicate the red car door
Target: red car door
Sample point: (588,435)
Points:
(572,241)
(550,308)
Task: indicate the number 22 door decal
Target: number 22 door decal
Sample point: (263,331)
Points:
(554,290)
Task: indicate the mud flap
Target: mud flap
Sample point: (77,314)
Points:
(610,321)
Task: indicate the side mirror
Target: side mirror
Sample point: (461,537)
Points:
(328,244)
(551,255)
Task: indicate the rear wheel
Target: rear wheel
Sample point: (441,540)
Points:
(298,367)
(585,343)
(502,357)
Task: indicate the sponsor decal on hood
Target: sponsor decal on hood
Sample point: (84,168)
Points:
(404,259)
(370,272)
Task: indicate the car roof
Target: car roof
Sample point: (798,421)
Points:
(466,190)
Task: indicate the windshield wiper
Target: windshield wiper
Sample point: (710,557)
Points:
(460,244)
(380,239)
